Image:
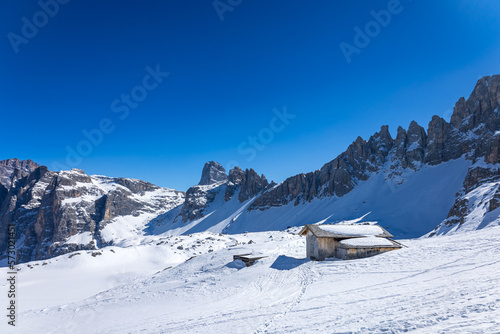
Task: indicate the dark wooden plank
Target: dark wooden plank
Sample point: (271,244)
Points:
(247,260)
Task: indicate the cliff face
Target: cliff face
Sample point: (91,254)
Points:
(14,169)
(245,184)
(59,212)
(471,132)
(213,172)
(49,208)
(478,120)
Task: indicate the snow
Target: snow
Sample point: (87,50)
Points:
(82,238)
(218,216)
(122,229)
(367,241)
(414,146)
(105,183)
(410,209)
(480,163)
(478,215)
(353,229)
(126,229)
(406,209)
(37,193)
(445,284)
(354,221)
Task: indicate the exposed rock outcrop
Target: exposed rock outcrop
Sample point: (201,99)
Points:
(48,208)
(471,133)
(213,172)
(197,198)
(248,182)
(15,169)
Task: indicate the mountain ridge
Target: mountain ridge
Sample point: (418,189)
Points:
(470,135)
(443,180)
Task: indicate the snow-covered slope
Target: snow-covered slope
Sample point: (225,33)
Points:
(478,204)
(445,284)
(410,184)
(59,212)
(445,176)
(409,206)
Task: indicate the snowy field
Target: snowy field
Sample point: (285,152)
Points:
(445,284)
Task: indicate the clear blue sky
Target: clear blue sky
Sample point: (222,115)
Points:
(226,77)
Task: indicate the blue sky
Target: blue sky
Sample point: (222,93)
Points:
(228,79)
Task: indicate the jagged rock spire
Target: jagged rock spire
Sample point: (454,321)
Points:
(213,172)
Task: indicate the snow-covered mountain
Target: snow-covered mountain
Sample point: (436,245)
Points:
(408,183)
(446,176)
(59,212)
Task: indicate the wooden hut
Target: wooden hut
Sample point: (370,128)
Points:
(346,241)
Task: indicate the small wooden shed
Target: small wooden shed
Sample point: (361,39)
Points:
(346,241)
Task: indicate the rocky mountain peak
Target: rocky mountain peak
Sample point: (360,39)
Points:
(49,208)
(384,132)
(248,181)
(213,172)
(416,129)
(15,169)
(480,108)
(380,144)
(20,164)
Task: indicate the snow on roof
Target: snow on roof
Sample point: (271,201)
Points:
(345,231)
(368,242)
(361,230)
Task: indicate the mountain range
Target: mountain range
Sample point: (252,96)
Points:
(439,180)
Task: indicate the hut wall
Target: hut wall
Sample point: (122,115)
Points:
(357,253)
(311,246)
(326,248)
(320,248)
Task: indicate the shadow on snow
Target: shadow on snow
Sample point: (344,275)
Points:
(284,262)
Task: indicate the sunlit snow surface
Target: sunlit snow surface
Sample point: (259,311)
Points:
(353,229)
(409,208)
(367,241)
(444,284)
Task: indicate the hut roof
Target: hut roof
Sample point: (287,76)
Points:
(344,231)
(368,242)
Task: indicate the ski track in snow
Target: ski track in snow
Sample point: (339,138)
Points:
(306,279)
(446,284)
